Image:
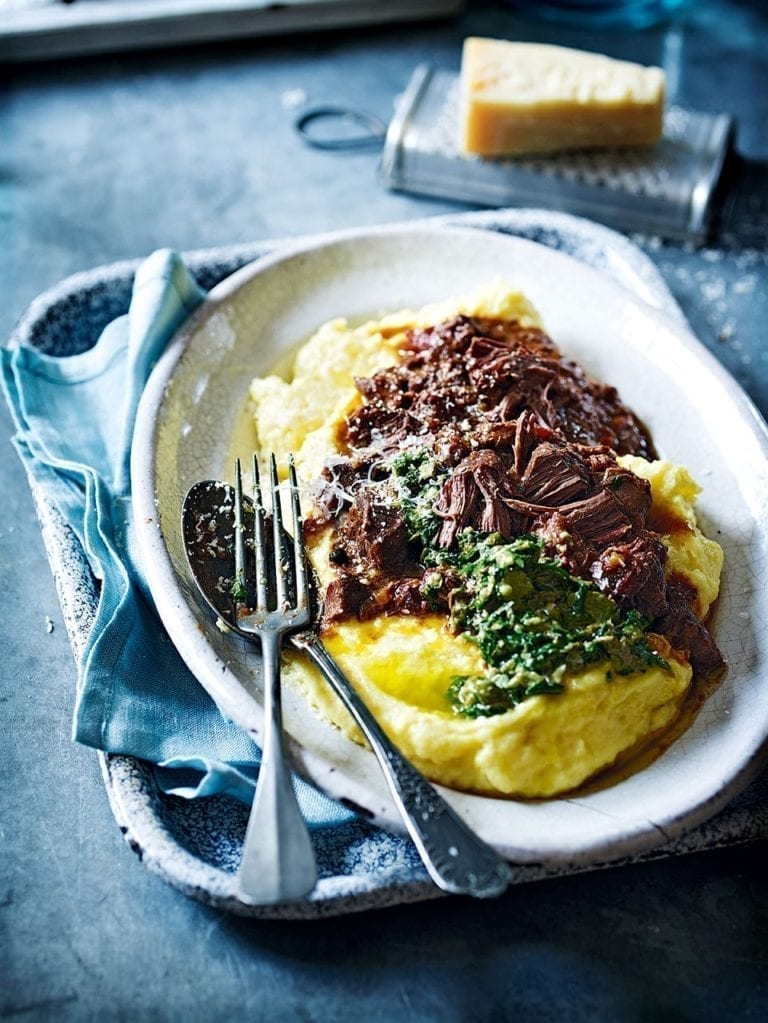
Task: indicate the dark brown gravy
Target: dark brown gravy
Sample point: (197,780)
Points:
(666,522)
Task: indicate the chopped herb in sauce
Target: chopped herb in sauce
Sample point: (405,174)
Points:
(238,591)
(418,480)
(533,621)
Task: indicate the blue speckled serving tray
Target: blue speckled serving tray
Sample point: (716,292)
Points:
(195,845)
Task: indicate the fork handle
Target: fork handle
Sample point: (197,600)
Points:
(278,859)
(456,858)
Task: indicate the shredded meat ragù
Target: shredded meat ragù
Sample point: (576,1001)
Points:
(521,441)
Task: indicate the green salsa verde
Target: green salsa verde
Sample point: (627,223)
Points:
(531,619)
(533,622)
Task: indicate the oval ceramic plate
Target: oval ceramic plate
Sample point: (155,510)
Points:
(192,408)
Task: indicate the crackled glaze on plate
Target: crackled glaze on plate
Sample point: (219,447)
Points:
(697,414)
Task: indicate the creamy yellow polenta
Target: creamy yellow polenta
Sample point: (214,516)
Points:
(402,666)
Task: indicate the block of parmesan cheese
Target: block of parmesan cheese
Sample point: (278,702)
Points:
(533,98)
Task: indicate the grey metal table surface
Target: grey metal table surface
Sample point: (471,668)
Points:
(110,157)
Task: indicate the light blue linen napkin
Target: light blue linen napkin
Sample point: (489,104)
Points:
(74,420)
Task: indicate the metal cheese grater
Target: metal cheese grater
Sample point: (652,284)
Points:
(667,190)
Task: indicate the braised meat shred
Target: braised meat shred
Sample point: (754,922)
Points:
(526,442)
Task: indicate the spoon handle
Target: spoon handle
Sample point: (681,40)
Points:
(278,859)
(456,858)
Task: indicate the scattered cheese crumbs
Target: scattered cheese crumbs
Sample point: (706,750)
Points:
(533,98)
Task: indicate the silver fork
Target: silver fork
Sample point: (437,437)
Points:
(456,859)
(278,859)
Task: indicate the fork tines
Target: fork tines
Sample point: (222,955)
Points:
(284,573)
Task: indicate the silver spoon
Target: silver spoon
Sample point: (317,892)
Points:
(457,860)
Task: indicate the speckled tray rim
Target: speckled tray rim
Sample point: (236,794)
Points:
(131,790)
